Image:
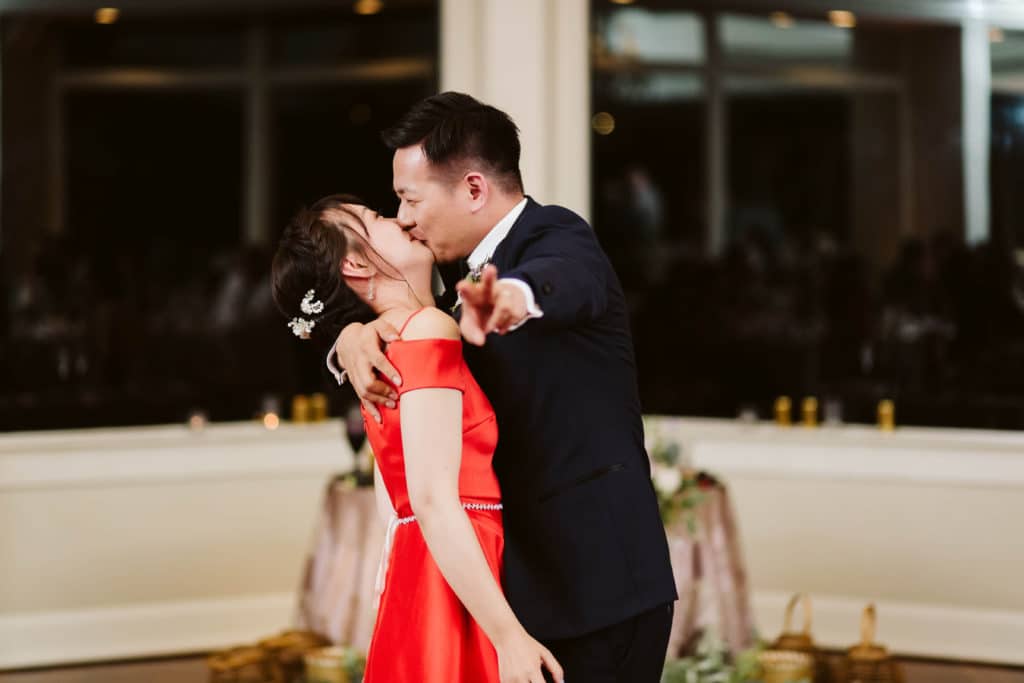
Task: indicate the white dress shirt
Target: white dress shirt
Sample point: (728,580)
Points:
(485,250)
(480,256)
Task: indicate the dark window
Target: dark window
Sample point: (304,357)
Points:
(839,264)
(135,280)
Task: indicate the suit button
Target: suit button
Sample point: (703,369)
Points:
(546,288)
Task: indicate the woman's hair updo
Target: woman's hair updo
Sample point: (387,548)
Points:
(309,257)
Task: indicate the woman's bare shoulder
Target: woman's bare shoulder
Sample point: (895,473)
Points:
(431,323)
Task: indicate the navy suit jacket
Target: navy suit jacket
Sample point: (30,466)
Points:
(584,543)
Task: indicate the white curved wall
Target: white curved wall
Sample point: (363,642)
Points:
(134,542)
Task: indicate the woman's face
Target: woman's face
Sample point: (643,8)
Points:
(396,246)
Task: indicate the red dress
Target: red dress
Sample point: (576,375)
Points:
(423,632)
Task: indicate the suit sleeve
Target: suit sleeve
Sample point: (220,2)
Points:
(568,272)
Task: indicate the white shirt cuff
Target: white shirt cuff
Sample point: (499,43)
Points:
(332,366)
(532,309)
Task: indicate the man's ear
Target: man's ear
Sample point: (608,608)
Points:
(477,187)
(355,267)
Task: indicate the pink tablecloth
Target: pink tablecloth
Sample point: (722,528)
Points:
(711,578)
(337,598)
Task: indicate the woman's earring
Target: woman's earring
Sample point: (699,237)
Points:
(371,293)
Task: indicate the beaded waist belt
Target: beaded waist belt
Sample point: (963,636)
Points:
(389,539)
(469,506)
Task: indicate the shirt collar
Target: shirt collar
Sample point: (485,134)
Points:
(496,236)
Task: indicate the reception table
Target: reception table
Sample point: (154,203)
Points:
(337,597)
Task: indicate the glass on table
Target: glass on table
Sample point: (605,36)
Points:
(833,412)
(748,414)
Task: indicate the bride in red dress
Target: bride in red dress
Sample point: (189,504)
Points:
(442,616)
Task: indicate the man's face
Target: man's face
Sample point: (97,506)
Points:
(432,207)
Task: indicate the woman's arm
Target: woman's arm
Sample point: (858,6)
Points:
(432,441)
(431,421)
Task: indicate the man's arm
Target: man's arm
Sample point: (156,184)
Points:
(562,265)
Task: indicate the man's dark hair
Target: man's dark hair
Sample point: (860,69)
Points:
(453,129)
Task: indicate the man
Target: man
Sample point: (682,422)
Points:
(587,567)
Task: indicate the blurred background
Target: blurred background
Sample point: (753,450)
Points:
(798,200)
(150,162)
(824,202)
(802,198)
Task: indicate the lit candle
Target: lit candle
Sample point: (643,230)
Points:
(886,415)
(300,408)
(783,411)
(318,407)
(810,412)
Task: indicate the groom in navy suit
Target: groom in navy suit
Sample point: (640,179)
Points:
(547,336)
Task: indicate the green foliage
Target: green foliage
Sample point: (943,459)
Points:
(712,664)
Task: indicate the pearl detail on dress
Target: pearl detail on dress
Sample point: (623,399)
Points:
(389,539)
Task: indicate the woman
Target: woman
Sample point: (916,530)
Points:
(442,616)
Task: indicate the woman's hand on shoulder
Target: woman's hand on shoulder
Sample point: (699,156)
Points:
(431,323)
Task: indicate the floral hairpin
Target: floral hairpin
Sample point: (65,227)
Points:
(309,306)
(301,327)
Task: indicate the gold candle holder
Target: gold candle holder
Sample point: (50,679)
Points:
(318,407)
(783,411)
(300,408)
(809,411)
(886,415)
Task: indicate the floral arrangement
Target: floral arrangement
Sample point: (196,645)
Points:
(361,474)
(711,663)
(680,489)
(358,477)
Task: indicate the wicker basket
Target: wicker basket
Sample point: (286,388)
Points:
(868,662)
(240,665)
(785,666)
(285,653)
(802,641)
(796,641)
